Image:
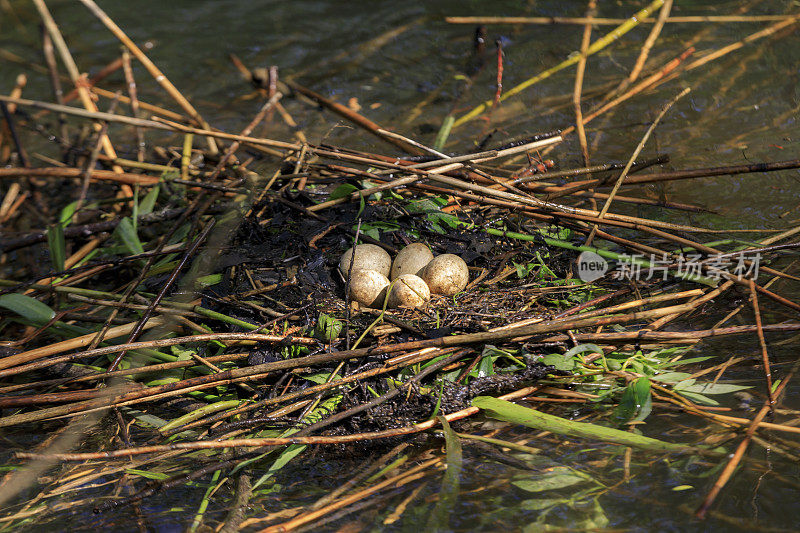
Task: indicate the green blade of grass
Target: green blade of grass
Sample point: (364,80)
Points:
(511,412)
(58,246)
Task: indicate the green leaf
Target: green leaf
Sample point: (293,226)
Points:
(583,348)
(484,368)
(324,409)
(523,269)
(689,361)
(66,214)
(439,519)
(636,401)
(556,478)
(362,203)
(327,328)
(712,388)
(698,398)
(159,476)
(671,377)
(540,504)
(211,279)
(126,234)
(319,378)
(342,191)
(560,362)
(510,412)
(283,459)
(27,307)
(183,354)
(58,246)
(149,202)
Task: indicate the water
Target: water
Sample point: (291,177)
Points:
(742,109)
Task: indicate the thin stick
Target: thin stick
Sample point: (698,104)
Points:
(55,84)
(268,105)
(159,124)
(151,68)
(70,344)
(633,157)
(648,44)
(77,79)
(762,341)
(9,121)
(737,456)
(352,116)
(133,95)
(578,88)
(91,162)
(613,21)
(188,254)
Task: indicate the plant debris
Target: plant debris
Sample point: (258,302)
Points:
(172,315)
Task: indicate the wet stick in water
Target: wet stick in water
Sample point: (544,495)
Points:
(130,83)
(77,78)
(737,456)
(633,157)
(151,68)
(595,47)
(591,10)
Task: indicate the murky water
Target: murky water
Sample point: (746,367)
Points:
(742,109)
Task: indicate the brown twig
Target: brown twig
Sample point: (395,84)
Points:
(737,456)
(763,343)
(159,76)
(578,87)
(633,157)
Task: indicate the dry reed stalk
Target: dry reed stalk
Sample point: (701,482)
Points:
(355,118)
(763,343)
(737,456)
(650,334)
(682,174)
(614,21)
(412,474)
(766,32)
(67,345)
(159,123)
(77,78)
(65,172)
(268,105)
(149,369)
(633,91)
(591,10)
(280,441)
(154,71)
(130,83)
(154,109)
(648,45)
(633,157)
(8,201)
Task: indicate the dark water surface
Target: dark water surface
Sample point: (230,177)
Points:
(742,109)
